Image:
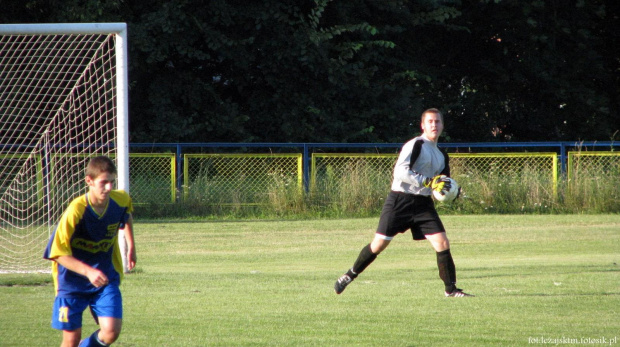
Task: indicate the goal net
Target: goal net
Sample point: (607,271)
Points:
(62,100)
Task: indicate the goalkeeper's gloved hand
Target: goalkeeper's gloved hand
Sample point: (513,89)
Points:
(438,183)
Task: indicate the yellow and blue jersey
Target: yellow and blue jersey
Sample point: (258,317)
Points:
(90,238)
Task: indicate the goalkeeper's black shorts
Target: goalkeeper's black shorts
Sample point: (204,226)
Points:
(403,211)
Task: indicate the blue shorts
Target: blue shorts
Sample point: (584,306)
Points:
(67,312)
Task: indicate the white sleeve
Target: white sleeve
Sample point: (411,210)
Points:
(402,169)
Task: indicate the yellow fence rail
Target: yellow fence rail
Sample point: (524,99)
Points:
(153,177)
(239,178)
(330,171)
(582,164)
(251,178)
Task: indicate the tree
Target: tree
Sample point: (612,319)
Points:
(269,71)
(360,70)
(537,71)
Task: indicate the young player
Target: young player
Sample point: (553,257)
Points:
(421,168)
(87,265)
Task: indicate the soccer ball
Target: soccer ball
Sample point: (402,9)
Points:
(447,195)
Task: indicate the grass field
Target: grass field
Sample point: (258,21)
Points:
(552,279)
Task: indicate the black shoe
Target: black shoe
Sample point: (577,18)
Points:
(342,283)
(457,293)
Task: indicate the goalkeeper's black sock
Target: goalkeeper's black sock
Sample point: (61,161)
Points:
(365,258)
(447,270)
(93,341)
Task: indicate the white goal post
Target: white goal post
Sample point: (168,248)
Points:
(63,99)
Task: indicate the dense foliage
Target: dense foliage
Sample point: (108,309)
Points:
(360,70)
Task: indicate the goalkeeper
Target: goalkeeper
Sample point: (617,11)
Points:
(421,168)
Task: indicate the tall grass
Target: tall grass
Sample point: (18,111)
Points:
(359,191)
(284,196)
(525,191)
(592,190)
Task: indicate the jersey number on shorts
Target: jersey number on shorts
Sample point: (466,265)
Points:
(63,315)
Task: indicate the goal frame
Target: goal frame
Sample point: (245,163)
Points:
(120,29)
(121,145)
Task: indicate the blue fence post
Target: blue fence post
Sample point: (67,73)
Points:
(563,158)
(306,167)
(179,165)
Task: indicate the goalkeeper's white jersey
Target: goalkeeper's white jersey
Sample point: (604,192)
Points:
(409,178)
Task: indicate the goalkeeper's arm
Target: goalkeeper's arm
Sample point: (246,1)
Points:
(403,170)
(405,174)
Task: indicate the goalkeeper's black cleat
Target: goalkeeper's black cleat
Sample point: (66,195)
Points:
(458,293)
(342,283)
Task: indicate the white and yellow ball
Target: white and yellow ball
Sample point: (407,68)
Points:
(447,195)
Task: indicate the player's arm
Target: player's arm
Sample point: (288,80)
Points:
(59,247)
(403,170)
(96,277)
(446,169)
(131,246)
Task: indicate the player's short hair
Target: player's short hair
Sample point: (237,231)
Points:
(431,110)
(98,165)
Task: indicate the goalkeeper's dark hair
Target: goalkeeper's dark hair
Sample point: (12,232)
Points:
(98,165)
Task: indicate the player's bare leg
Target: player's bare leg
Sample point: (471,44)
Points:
(71,338)
(106,335)
(110,329)
(379,243)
